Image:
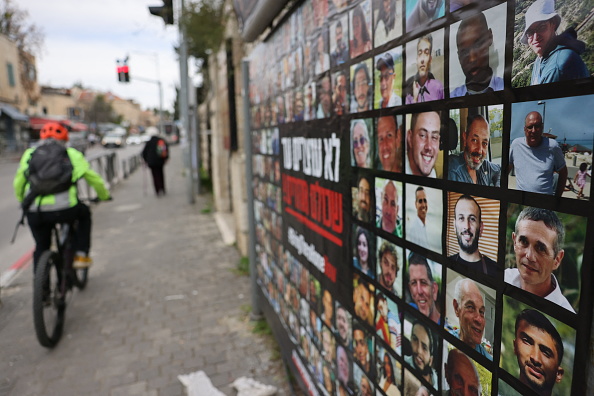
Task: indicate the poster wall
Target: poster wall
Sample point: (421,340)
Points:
(422,194)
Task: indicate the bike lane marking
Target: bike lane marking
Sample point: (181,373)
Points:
(22,263)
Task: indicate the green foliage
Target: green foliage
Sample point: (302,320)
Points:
(205,180)
(14,25)
(204,23)
(101,111)
(261,327)
(243,266)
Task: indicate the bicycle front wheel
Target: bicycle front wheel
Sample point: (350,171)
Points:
(49,303)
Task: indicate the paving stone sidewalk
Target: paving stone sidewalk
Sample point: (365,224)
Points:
(163,300)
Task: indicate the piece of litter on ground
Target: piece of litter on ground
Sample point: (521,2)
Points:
(250,387)
(198,384)
(175,297)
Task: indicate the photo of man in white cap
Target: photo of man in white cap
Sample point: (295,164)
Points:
(557,55)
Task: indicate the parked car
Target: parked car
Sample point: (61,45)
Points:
(134,139)
(112,139)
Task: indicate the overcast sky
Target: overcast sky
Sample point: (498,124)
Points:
(83,40)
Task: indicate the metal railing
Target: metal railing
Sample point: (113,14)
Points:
(108,166)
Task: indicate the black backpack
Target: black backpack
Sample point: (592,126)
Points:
(49,171)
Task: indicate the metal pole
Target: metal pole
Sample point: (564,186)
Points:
(249,174)
(183,103)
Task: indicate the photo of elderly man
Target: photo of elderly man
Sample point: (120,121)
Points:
(470,309)
(551,44)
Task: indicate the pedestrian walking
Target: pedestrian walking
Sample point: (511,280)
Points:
(155,154)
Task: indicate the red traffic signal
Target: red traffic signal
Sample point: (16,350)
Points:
(123,72)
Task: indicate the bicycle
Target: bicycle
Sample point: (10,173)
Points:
(53,284)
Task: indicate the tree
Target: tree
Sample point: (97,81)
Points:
(204,23)
(13,24)
(101,111)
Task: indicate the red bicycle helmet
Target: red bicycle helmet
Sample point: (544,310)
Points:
(54,130)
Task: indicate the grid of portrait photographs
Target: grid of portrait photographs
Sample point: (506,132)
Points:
(465,175)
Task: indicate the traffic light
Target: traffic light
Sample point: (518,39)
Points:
(123,70)
(165,11)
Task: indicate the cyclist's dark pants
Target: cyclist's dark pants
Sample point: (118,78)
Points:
(41,224)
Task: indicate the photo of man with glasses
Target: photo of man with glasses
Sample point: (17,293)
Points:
(386,78)
(557,55)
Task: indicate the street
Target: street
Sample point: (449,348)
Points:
(10,214)
(163,299)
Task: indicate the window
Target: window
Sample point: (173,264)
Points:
(10,71)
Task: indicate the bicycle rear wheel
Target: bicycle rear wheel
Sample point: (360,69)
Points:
(49,303)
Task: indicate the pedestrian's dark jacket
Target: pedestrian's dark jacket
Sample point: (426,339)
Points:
(150,155)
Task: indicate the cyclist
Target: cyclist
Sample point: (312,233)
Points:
(48,210)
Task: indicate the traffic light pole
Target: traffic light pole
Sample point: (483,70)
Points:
(158,82)
(160,99)
(184,106)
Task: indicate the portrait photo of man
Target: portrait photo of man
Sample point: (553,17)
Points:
(388,78)
(362,92)
(423,281)
(537,161)
(343,325)
(554,131)
(344,366)
(423,144)
(388,206)
(324,97)
(363,349)
(390,263)
(470,309)
(387,16)
(363,299)
(364,385)
(390,143)
(539,259)
(537,349)
(477,56)
(419,13)
(424,347)
(362,206)
(550,43)
(340,93)
(422,85)
(469,224)
(339,42)
(387,321)
(462,375)
(473,160)
(424,209)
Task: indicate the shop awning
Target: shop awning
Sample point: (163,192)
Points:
(12,112)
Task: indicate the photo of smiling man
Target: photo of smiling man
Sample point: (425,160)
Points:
(470,309)
(423,138)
